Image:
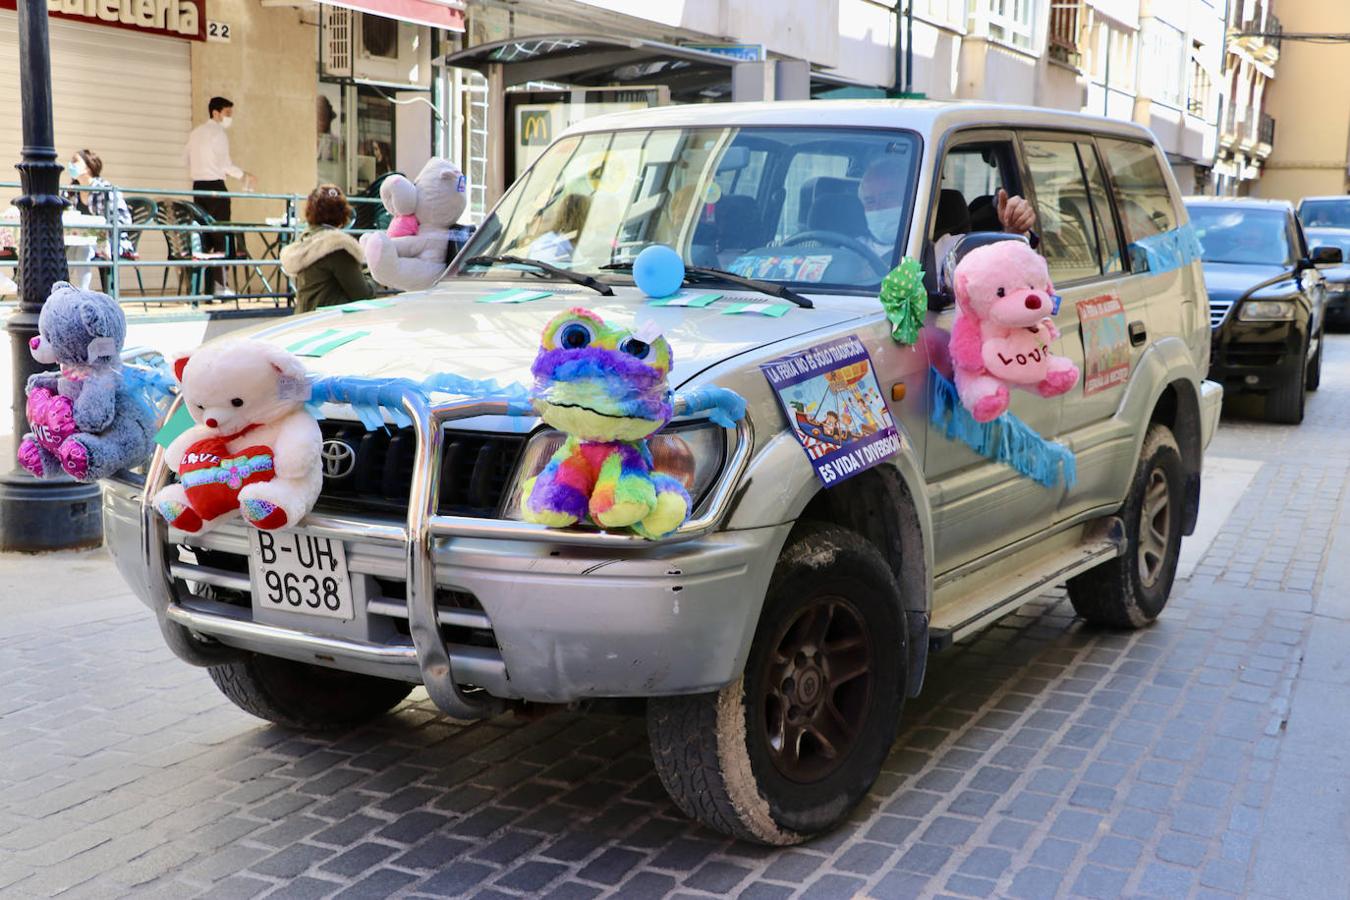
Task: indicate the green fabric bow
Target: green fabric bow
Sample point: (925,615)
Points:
(905,300)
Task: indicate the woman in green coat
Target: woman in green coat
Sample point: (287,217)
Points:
(326,261)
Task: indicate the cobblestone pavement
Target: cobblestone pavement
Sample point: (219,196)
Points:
(1044,759)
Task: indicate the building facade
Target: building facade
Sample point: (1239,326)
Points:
(1312,100)
(1247,135)
(373,75)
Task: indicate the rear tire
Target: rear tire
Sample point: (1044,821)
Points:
(1132,589)
(306,697)
(789,748)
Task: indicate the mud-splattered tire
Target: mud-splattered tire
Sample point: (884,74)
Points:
(789,748)
(305,697)
(1132,589)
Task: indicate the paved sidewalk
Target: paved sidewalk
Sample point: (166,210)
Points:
(1204,756)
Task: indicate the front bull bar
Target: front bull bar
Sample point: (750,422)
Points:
(418,536)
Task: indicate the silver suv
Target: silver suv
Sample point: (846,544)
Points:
(776,634)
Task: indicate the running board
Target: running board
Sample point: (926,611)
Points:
(994,599)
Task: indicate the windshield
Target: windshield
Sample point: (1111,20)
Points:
(1325,213)
(1230,234)
(815,207)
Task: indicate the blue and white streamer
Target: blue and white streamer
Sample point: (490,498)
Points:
(1006,439)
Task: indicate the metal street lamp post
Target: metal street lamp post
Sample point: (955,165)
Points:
(35,514)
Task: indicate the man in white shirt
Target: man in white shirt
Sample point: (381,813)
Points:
(209,164)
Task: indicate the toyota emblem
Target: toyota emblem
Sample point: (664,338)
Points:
(339,459)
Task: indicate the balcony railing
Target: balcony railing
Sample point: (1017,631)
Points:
(1062,43)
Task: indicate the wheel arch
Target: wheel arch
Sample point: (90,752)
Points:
(1178,407)
(879,505)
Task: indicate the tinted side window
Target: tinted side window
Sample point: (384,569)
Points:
(1141,193)
(1068,238)
(1104,222)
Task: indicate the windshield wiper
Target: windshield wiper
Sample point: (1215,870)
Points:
(589,281)
(702,273)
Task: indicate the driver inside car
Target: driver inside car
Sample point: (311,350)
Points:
(881,191)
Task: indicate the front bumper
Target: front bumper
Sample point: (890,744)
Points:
(476,610)
(1256,356)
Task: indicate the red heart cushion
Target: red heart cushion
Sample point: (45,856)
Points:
(212,476)
(51,418)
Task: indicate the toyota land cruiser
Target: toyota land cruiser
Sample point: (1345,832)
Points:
(778,632)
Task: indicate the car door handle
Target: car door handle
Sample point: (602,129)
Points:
(1138,333)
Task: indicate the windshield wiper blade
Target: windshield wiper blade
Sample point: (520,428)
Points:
(589,281)
(702,273)
(772,288)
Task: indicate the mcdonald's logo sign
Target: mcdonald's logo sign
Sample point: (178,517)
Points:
(535,127)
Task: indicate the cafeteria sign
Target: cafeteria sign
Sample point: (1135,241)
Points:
(834,404)
(173,18)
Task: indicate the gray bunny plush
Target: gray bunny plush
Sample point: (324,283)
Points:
(84,421)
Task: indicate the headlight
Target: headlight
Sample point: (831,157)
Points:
(1266,310)
(694,454)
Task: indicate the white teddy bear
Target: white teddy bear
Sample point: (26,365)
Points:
(254,449)
(416,261)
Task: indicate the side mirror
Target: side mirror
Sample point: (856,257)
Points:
(1326,256)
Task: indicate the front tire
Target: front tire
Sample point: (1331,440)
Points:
(306,697)
(1315,367)
(1131,590)
(790,747)
(1284,405)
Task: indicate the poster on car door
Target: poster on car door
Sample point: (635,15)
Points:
(833,402)
(1106,344)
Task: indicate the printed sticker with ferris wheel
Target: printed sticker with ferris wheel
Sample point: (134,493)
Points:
(833,402)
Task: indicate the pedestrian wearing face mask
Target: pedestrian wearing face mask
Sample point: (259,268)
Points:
(209,164)
(85,168)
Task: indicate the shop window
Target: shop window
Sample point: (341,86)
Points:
(374,136)
(1064,211)
(1141,193)
(331,150)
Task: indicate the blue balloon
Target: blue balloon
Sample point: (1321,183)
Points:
(658,271)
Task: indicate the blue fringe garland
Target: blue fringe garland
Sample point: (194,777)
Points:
(368,397)
(1007,439)
(371,398)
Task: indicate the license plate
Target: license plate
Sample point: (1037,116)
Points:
(300,573)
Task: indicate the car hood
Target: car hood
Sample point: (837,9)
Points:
(446,329)
(1229,281)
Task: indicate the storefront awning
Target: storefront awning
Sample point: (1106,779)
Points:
(446,14)
(584,60)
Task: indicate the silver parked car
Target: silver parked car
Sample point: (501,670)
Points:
(776,634)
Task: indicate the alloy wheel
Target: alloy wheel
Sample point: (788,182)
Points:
(1155,521)
(817,689)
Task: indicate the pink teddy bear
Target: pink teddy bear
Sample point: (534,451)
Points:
(1002,332)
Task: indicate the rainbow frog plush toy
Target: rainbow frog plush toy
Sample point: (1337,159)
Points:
(1002,330)
(605,388)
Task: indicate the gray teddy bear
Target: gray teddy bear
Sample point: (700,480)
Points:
(83,420)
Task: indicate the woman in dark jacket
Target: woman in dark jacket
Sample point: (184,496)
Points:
(326,261)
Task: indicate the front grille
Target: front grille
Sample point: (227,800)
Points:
(476,469)
(1218,311)
(1264,354)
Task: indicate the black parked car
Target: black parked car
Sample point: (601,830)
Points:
(1337,277)
(1267,300)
